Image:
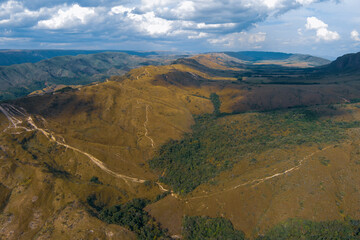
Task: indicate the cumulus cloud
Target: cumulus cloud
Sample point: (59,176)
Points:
(150,24)
(355,35)
(315,23)
(68,17)
(14,13)
(322,32)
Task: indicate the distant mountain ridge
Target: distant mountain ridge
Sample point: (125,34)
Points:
(11,57)
(264,57)
(22,79)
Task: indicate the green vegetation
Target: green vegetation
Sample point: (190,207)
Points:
(295,229)
(202,228)
(215,144)
(215,99)
(132,216)
(55,170)
(95,180)
(94,202)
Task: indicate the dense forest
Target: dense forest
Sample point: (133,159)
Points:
(130,215)
(199,228)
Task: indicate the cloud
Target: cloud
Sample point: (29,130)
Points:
(198,35)
(120,10)
(147,23)
(240,39)
(184,10)
(6,39)
(68,17)
(325,34)
(322,32)
(305,2)
(14,13)
(355,35)
(315,23)
(190,24)
(151,24)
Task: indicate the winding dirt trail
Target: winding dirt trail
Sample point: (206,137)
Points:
(10,114)
(145,126)
(146,133)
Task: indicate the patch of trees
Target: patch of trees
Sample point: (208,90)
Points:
(206,228)
(215,99)
(95,179)
(130,215)
(295,229)
(203,228)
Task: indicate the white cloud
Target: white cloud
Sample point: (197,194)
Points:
(268,4)
(7,39)
(198,36)
(120,10)
(240,39)
(305,2)
(315,23)
(325,34)
(322,32)
(10,7)
(151,24)
(147,23)
(218,25)
(273,3)
(69,17)
(14,13)
(184,9)
(355,35)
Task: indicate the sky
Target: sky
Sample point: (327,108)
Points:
(327,28)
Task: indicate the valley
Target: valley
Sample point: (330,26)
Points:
(208,139)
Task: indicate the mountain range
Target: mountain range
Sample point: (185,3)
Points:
(247,145)
(51,74)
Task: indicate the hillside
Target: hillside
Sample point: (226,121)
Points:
(22,79)
(161,146)
(348,63)
(11,57)
(285,59)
